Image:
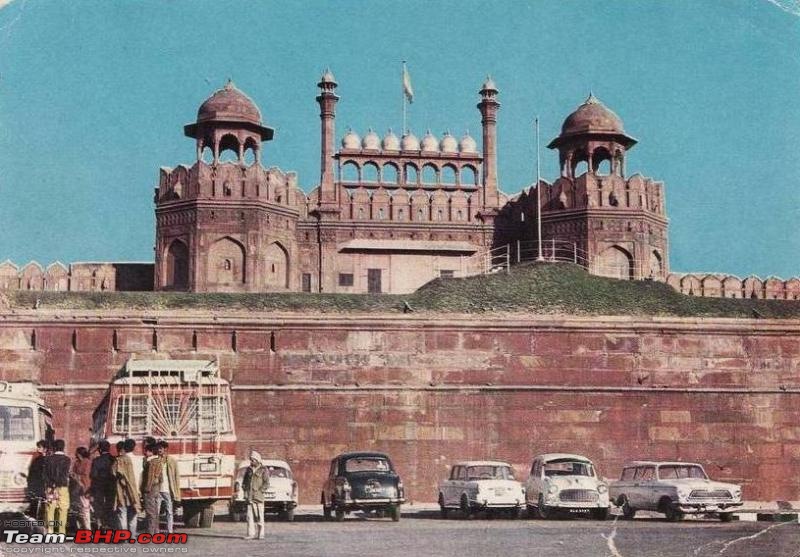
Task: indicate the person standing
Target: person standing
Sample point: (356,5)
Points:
(103,485)
(80,485)
(254,484)
(152,477)
(170,491)
(36,479)
(56,484)
(126,503)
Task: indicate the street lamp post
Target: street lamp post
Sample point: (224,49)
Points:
(540,256)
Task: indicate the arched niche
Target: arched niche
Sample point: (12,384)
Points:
(277,266)
(177,266)
(615,262)
(226,262)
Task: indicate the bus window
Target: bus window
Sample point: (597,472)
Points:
(45,426)
(214,414)
(131,415)
(16,423)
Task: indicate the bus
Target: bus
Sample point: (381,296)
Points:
(187,404)
(24,420)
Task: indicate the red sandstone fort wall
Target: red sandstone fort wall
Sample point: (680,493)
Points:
(433,390)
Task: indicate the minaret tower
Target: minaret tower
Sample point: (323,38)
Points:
(327,100)
(489,107)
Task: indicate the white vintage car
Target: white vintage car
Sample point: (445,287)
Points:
(481,485)
(675,489)
(568,482)
(280,497)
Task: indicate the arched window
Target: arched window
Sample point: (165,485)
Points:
(429,174)
(412,174)
(229,148)
(349,172)
(459,215)
(439,214)
(400,214)
(208,155)
(369,173)
(448,175)
(469,176)
(581,168)
(361,213)
(420,214)
(380,213)
(601,160)
(390,174)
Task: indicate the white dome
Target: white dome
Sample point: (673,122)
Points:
(409,142)
(371,141)
(351,140)
(391,142)
(467,144)
(429,142)
(448,144)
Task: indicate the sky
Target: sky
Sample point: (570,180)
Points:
(94,94)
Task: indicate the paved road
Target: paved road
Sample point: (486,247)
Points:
(425,534)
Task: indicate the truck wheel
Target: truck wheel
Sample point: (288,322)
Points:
(628,512)
(339,515)
(394,512)
(207,516)
(600,514)
(191,515)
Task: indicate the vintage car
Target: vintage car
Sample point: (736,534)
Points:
(675,489)
(481,485)
(363,481)
(281,495)
(565,482)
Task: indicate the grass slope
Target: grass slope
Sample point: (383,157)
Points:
(549,288)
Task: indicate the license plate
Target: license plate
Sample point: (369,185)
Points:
(500,491)
(269,495)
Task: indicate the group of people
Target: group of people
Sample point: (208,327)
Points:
(104,486)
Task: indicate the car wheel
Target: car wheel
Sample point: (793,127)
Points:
(326,510)
(542,510)
(530,510)
(514,513)
(394,512)
(628,512)
(464,506)
(672,514)
(600,514)
(339,515)
(287,515)
(442,508)
(726,517)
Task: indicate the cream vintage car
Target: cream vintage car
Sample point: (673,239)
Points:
(481,485)
(568,482)
(280,497)
(675,489)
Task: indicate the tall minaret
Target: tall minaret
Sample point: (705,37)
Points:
(327,100)
(489,107)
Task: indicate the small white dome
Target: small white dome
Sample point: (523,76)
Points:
(391,142)
(371,141)
(409,142)
(448,144)
(489,84)
(327,76)
(429,142)
(467,144)
(351,140)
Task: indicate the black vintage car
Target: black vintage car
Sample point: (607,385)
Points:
(363,481)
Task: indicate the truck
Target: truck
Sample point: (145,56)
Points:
(188,404)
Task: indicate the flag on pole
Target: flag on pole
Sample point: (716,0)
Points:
(407,90)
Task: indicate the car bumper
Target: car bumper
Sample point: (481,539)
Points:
(369,503)
(239,505)
(690,508)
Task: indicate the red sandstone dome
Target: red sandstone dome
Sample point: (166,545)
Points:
(592,116)
(229,104)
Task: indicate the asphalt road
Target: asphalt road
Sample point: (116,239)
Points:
(425,534)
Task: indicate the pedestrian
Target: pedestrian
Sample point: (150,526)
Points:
(36,480)
(151,486)
(56,485)
(126,503)
(103,486)
(170,487)
(80,486)
(254,484)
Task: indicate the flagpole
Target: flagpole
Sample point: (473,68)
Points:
(403,94)
(540,256)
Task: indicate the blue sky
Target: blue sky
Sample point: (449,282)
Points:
(93,97)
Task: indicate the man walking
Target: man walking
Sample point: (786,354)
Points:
(126,493)
(36,479)
(80,484)
(152,477)
(254,484)
(103,485)
(56,483)
(170,488)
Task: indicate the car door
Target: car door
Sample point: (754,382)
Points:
(645,481)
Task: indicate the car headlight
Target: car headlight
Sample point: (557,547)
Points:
(552,489)
(602,488)
(682,494)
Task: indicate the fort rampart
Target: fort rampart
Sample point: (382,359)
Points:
(430,390)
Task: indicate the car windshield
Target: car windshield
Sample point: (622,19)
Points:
(279,472)
(489,472)
(367,464)
(568,468)
(681,472)
(16,423)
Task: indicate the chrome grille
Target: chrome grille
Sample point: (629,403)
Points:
(710,494)
(579,496)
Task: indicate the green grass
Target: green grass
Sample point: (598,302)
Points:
(547,288)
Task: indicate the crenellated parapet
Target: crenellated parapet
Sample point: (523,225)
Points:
(719,285)
(77,277)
